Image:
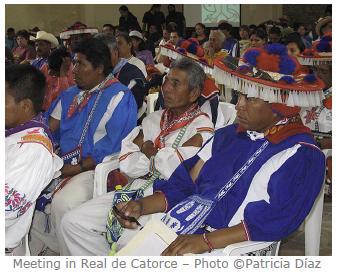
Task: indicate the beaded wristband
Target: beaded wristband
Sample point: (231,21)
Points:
(209,244)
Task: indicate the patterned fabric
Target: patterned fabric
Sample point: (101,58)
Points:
(169,124)
(270,187)
(83,97)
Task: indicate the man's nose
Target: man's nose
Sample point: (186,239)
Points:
(241,102)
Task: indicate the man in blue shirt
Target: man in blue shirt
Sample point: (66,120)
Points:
(92,119)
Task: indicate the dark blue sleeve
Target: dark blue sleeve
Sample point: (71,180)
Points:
(180,185)
(292,189)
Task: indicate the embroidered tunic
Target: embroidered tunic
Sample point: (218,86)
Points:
(114,117)
(135,163)
(271,195)
(30,166)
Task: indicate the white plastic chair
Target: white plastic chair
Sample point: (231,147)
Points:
(313,222)
(151,102)
(229,112)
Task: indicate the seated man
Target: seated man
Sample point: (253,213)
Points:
(92,119)
(30,159)
(167,137)
(257,180)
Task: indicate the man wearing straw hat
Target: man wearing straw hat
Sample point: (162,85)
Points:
(256,180)
(44,42)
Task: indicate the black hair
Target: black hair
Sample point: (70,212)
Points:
(26,82)
(296,25)
(245,28)
(109,25)
(96,52)
(123,8)
(171,5)
(23,33)
(295,38)
(225,26)
(55,58)
(200,24)
(128,40)
(261,33)
(10,29)
(275,30)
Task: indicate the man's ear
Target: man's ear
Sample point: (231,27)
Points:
(100,69)
(27,106)
(194,94)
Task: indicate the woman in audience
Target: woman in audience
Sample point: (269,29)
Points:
(258,38)
(138,45)
(125,50)
(200,33)
(59,75)
(24,52)
(244,41)
(294,44)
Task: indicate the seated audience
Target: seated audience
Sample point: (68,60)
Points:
(92,118)
(108,29)
(301,30)
(30,159)
(256,180)
(166,139)
(294,44)
(275,35)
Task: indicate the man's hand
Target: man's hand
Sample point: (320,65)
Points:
(148,149)
(69,170)
(184,244)
(131,209)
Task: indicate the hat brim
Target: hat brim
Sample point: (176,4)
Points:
(322,23)
(173,54)
(67,34)
(53,41)
(301,94)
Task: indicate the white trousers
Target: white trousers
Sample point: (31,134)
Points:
(77,191)
(83,229)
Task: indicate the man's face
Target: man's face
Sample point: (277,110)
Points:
(107,30)
(175,90)
(166,35)
(11,34)
(254,114)
(42,48)
(171,9)
(324,72)
(12,109)
(301,31)
(174,38)
(293,49)
(214,41)
(199,30)
(274,38)
(243,34)
(85,75)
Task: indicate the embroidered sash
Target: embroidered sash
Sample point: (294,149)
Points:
(189,215)
(168,124)
(114,229)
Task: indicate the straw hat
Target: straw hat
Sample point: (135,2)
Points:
(42,35)
(321,22)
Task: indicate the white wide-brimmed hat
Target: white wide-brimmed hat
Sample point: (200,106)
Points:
(42,35)
(136,34)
